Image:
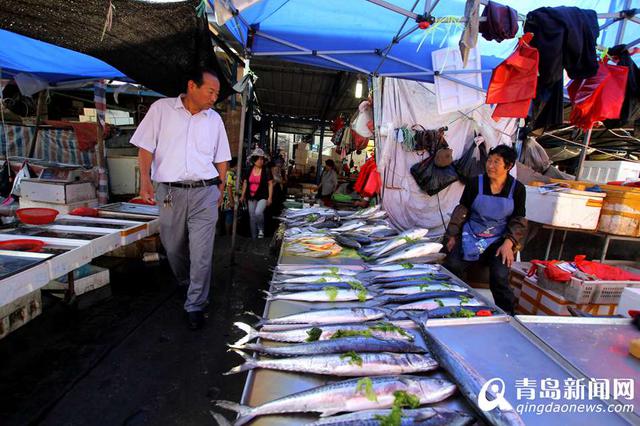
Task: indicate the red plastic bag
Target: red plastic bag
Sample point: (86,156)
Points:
(599,97)
(84,211)
(604,272)
(551,271)
(513,82)
(368,183)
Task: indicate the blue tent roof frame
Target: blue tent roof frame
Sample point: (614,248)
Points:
(347,59)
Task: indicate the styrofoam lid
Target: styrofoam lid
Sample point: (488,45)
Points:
(570,192)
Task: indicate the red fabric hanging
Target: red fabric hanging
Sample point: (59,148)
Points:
(604,272)
(369,182)
(599,97)
(337,124)
(513,82)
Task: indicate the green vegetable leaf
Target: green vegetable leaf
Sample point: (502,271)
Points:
(365,384)
(321,280)
(390,328)
(401,399)
(426,279)
(464,300)
(355,359)
(334,270)
(362,295)
(407,265)
(462,313)
(439,302)
(332,292)
(351,333)
(314,334)
(424,287)
(446,284)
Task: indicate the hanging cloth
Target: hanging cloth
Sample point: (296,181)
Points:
(501,22)
(599,97)
(469,37)
(369,182)
(630,111)
(513,82)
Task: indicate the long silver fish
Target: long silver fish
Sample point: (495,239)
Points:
(422,284)
(343,365)
(327,295)
(408,266)
(329,316)
(429,304)
(412,252)
(327,270)
(413,289)
(318,279)
(363,213)
(417,417)
(381,330)
(348,396)
(407,273)
(398,241)
(350,226)
(310,286)
(335,346)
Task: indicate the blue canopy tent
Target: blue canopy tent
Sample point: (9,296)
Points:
(20,54)
(382,38)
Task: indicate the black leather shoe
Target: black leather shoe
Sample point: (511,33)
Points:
(196,320)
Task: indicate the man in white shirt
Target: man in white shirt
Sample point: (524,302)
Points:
(183,148)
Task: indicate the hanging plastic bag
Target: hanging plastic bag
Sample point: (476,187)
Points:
(514,81)
(472,162)
(23,173)
(431,178)
(604,272)
(599,97)
(361,123)
(5,181)
(535,156)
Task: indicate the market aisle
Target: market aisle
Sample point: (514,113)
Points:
(155,370)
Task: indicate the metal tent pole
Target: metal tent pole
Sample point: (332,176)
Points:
(319,162)
(583,154)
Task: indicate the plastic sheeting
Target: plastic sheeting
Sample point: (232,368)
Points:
(406,103)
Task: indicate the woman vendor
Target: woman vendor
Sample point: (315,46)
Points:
(489,225)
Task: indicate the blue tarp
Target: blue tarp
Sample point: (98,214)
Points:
(52,63)
(361,25)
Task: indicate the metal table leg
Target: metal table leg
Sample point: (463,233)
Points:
(607,240)
(70,294)
(564,238)
(553,232)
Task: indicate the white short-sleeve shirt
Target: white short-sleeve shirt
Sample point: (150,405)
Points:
(185,146)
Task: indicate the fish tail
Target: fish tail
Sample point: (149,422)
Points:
(219,418)
(269,295)
(248,346)
(249,364)
(261,320)
(245,413)
(252,333)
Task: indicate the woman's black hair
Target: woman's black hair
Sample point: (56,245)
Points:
(254,159)
(507,154)
(330,163)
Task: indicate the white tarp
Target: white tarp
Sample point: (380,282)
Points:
(407,103)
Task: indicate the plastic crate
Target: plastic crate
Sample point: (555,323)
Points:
(575,290)
(610,291)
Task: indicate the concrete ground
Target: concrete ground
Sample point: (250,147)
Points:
(130,360)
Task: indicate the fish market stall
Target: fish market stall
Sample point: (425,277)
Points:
(335,325)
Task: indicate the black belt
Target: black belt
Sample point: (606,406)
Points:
(195,183)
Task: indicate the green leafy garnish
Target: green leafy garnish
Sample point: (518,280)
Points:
(351,333)
(366,258)
(311,217)
(314,334)
(362,291)
(407,265)
(365,384)
(334,270)
(390,328)
(439,302)
(426,279)
(409,240)
(446,284)
(401,399)
(424,287)
(462,313)
(464,300)
(355,358)
(321,280)
(332,292)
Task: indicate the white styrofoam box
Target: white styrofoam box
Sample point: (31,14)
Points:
(568,209)
(450,95)
(124,175)
(62,208)
(630,300)
(19,312)
(22,283)
(87,278)
(609,171)
(57,192)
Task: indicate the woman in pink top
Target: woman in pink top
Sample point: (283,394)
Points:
(257,189)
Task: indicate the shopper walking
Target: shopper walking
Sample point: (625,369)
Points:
(257,190)
(328,183)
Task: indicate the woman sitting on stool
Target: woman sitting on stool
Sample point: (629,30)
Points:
(489,225)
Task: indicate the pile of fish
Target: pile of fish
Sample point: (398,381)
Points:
(358,324)
(321,232)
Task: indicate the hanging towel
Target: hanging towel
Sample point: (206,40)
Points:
(469,37)
(501,22)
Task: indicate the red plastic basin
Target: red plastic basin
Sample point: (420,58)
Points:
(36,215)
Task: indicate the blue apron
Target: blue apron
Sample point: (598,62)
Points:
(487,222)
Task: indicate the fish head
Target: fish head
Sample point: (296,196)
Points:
(436,387)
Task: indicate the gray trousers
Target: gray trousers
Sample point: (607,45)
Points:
(187,231)
(256,216)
